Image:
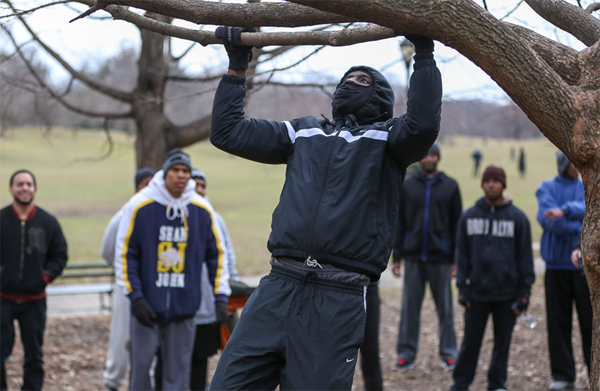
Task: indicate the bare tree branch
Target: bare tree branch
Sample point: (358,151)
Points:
(109,140)
(568,17)
(561,58)
(182,136)
(592,8)
(53,94)
(31,10)
(113,93)
(244,15)
(513,10)
(329,38)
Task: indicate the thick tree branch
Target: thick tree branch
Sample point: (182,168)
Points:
(113,93)
(569,18)
(592,8)
(563,59)
(489,43)
(53,94)
(244,15)
(182,136)
(330,38)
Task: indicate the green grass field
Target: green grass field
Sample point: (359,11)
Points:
(84,195)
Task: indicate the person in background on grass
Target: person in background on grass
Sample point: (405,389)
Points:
(118,340)
(333,229)
(522,166)
(165,236)
(477,156)
(33,252)
(561,209)
(494,275)
(430,206)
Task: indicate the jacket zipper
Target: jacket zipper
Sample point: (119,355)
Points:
(428,184)
(22,262)
(319,198)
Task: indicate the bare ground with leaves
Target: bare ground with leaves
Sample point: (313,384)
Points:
(75,351)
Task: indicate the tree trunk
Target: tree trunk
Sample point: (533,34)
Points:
(590,247)
(148,102)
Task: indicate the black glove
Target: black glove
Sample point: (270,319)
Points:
(221,312)
(422,43)
(464,299)
(239,56)
(521,304)
(143,312)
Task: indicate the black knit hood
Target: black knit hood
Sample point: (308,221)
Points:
(380,105)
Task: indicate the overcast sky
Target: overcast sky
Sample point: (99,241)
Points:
(86,42)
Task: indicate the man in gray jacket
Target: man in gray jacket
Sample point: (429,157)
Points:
(118,354)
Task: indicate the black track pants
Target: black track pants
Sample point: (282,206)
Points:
(297,331)
(476,318)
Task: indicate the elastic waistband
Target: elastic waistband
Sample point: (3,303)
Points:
(313,277)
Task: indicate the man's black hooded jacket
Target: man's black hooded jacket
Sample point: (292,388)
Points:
(428,217)
(339,203)
(493,253)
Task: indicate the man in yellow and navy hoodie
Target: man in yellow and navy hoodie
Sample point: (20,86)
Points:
(166,234)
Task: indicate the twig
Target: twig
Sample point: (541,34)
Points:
(20,13)
(107,154)
(592,8)
(513,10)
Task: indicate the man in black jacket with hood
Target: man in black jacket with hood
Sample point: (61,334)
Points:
(333,230)
(494,275)
(430,206)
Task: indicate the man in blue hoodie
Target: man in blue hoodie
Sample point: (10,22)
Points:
(561,208)
(167,233)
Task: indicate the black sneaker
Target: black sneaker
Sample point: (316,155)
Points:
(402,365)
(449,364)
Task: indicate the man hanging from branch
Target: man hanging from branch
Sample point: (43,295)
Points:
(333,230)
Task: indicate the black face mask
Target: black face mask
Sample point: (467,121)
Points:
(350,97)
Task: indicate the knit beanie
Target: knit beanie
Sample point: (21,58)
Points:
(197,174)
(435,148)
(494,172)
(562,161)
(176,156)
(142,174)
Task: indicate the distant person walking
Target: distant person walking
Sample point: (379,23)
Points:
(430,207)
(33,252)
(118,339)
(561,209)
(522,166)
(477,156)
(494,276)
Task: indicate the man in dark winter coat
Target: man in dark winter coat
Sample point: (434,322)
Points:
(33,252)
(494,275)
(333,230)
(561,209)
(430,206)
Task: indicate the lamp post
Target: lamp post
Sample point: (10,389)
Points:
(407,49)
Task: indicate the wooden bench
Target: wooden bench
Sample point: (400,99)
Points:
(87,270)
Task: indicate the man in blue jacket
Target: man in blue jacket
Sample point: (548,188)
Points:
(430,206)
(333,230)
(494,275)
(166,234)
(561,208)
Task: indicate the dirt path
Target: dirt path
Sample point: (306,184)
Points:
(75,351)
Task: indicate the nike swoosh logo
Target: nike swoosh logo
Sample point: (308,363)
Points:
(349,360)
